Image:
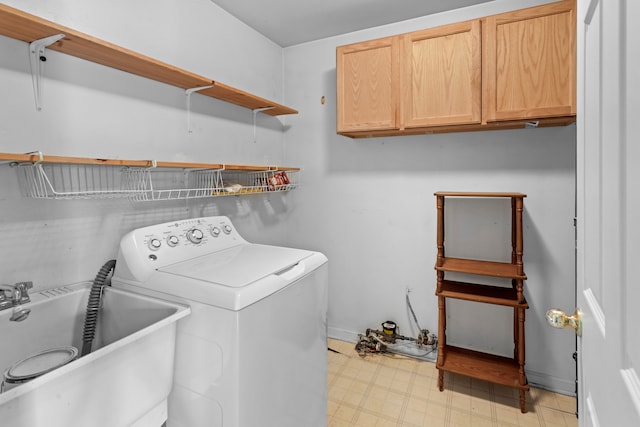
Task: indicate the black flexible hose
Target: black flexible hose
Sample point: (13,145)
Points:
(93,306)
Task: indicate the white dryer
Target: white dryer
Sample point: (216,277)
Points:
(254,350)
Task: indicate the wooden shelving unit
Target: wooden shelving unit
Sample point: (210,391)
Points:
(23,26)
(488,367)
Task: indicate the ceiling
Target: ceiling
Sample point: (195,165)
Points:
(291,22)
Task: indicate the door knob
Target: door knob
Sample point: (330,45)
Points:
(559,319)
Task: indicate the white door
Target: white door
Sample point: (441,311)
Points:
(608,212)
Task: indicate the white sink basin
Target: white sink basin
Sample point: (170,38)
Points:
(124,382)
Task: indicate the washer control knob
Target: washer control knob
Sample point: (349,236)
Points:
(172,240)
(195,235)
(215,231)
(227,229)
(154,244)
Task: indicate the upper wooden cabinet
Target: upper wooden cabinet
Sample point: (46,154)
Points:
(499,72)
(441,76)
(368,90)
(529,63)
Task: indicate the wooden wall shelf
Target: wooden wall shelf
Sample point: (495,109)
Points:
(23,26)
(38,158)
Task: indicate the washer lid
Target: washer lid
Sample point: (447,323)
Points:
(239,265)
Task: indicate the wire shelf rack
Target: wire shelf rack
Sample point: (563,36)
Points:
(149,184)
(70,181)
(258,181)
(81,181)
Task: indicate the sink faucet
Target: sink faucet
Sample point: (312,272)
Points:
(18,294)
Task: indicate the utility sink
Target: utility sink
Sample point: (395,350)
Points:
(123,382)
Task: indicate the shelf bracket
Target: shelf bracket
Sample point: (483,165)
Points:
(188,92)
(14,163)
(255,113)
(40,157)
(37,59)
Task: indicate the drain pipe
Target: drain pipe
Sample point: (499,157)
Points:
(93,306)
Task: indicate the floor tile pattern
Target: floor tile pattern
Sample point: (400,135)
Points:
(387,390)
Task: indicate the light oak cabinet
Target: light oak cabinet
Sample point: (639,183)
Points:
(529,63)
(504,71)
(368,89)
(425,78)
(441,76)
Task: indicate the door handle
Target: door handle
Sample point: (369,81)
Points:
(559,319)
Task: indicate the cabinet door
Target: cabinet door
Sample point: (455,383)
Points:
(441,75)
(367,84)
(529,63)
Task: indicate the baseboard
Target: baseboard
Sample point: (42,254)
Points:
(342,334)
(551,383)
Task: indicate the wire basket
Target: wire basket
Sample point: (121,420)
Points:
(259,181)
(78,181)
(71,181)
(146,184)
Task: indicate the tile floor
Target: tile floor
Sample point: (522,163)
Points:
(386,390)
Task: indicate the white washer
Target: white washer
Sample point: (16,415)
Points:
(254,350)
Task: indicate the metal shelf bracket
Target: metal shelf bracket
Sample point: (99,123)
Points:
(37,59)
(188,92)
(40,157)
(255,113)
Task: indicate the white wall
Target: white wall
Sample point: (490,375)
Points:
(369,205)
(94,111)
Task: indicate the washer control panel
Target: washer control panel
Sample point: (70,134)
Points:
(163,244)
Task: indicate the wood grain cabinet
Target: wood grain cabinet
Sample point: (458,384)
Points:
(441,75)
(529,63)
(367,83)
(499,72)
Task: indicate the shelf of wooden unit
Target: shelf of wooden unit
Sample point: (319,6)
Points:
(483,268)
(479,194)
(483,366)
(23,26)
(481,293)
